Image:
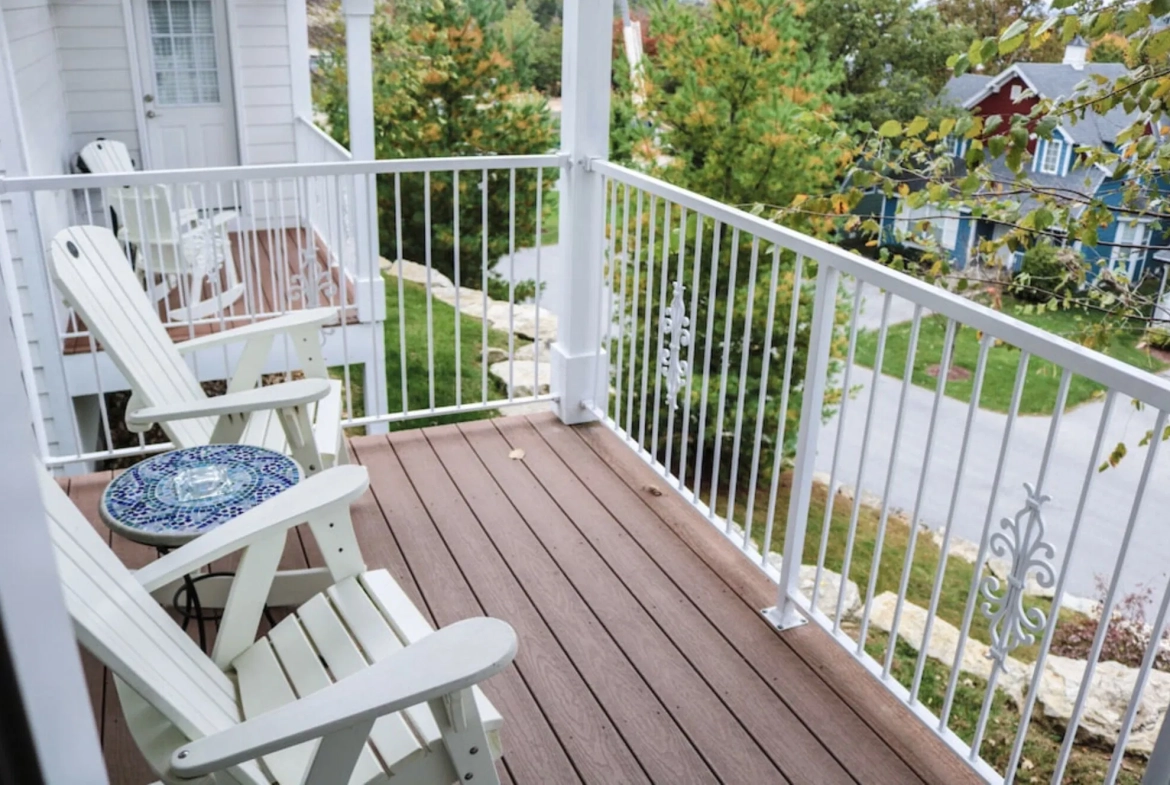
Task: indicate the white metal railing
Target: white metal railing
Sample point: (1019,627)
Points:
(709,314)
(289,237)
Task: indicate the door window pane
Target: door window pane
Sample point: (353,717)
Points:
(183,46)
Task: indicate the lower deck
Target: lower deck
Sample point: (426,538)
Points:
(282,270)
(643,656)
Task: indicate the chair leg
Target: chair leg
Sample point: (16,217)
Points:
(465,738)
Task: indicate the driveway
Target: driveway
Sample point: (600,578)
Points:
(1108,504)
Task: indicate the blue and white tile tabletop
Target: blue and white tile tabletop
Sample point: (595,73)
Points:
(172,498)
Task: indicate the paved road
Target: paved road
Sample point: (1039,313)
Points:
(1108,504)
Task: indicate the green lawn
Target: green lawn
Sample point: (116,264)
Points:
(443,317)
(1040,390)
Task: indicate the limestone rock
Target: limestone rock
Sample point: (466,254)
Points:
(1107,700)
(413,271)
(944,642)
(827,594)
(525,379)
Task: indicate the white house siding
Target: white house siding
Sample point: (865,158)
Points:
(31,52)
(265,73)
(95,71)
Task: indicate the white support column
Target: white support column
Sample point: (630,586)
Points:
(360,83)
(579,372)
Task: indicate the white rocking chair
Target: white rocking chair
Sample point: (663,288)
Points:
(175,244)
(355,671)
(301,417)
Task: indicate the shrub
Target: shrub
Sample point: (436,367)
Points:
(1042,273)
(1158,337)
(1126,639)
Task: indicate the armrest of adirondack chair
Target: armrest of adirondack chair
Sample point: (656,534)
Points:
(319,497)
(309,317)
(445,664)
(257,399)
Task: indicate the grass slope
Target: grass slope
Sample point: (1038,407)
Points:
(1039,395)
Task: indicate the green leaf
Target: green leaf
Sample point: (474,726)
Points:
(1059,4)
(1069,28)
(990,47)
(1159,7)
(890,128)
(917,126)
(1045,127)
(1159,44)
(1010,39)
(975,52)
(946,126)
(996,145)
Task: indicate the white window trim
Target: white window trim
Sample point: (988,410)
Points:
(1052,146)
(1128,257)
(943,226)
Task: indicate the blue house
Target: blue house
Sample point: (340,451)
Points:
(1129,246)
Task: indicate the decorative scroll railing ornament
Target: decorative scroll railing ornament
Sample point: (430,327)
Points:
(310,281)
(1012,623)
(676,327)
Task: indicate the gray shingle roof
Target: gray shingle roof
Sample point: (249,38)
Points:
(1056,80)
(959,89)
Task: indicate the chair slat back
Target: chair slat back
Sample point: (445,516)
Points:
(145,211)
(92,272)
(118,621)
(106,156)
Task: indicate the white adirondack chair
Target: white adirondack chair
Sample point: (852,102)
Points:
(175,243)
(301,417)
(355,671)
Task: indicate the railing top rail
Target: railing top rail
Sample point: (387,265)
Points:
(325,138)
(276,171)
(1124,378)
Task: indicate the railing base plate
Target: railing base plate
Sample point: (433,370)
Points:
(778,619)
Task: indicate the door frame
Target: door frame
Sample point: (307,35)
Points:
(130,11)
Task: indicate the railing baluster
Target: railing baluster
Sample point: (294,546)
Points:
(724,367)
(709,332)
(635,296)
(678,328)
(539,279)
(745,354)
(458,300)
(859,486)
(427,231)
(621,309)
(761,402)
(949,529)
(512,284)
(336,217)
(647,325)
(402,361)
(693,319)
(895,443)
(656,365)
(1110,601)
(781,426)
(483,274)
(944,369)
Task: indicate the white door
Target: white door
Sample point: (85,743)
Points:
(186,79)
(1126,248)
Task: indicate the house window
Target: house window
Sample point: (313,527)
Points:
(928,224)
(182,42)
(1053,151)
(1017,91)
(1126,248)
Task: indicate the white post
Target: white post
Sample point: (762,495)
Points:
(360,83)
(577,379)
(49,730)
(785,614)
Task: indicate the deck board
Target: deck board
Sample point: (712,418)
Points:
(642,656)
(265,260)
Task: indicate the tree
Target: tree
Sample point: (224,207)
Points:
(442,89)
(737,108)
(893,54)
(989,17)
